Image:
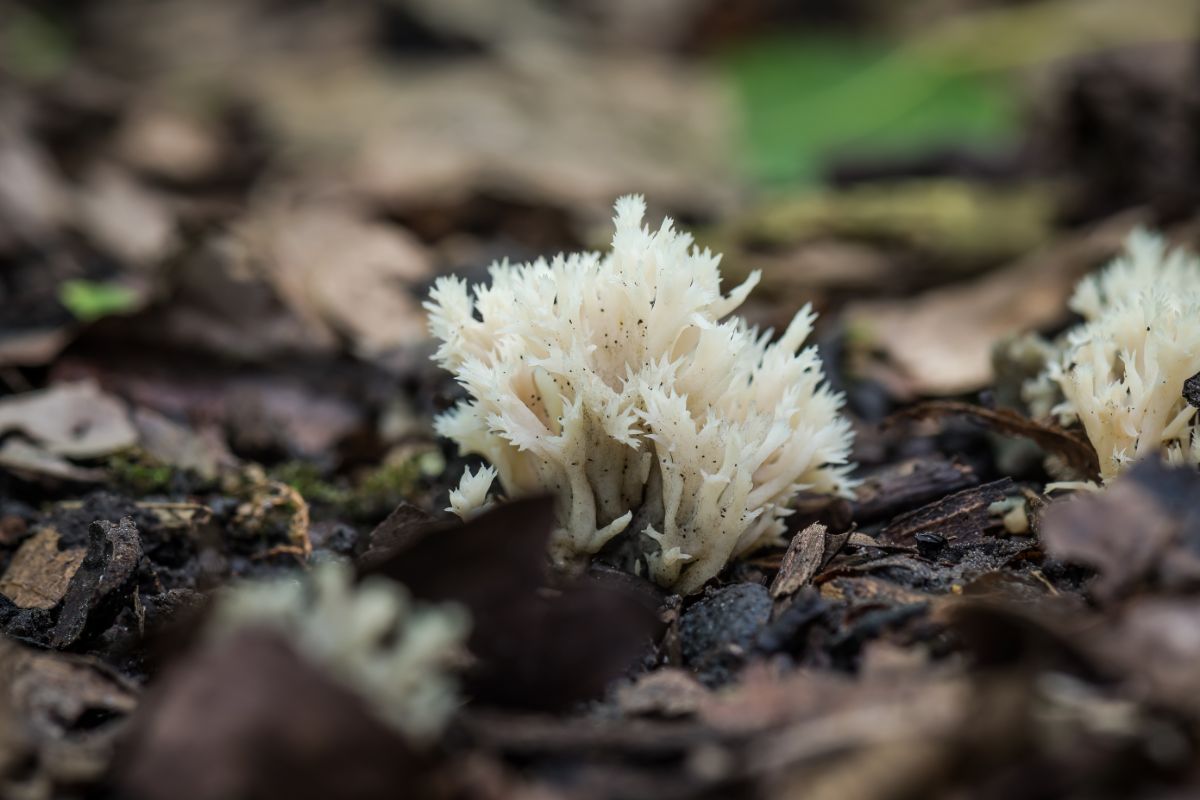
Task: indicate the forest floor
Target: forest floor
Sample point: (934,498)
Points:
(216,230)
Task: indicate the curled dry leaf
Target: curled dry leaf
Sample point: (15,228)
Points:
(31,462)
(1072,448)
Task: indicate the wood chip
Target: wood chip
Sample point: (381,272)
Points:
(960,517)
(801,561)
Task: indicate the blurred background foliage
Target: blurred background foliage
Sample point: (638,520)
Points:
(262,181)
(805,99)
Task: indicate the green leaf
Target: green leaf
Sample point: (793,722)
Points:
(89,300)
(33,46)
(806,99)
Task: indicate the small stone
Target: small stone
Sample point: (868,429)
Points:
(717,632)
(1191,390)
(929,544)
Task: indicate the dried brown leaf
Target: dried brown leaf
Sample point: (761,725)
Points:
(40,572)
(803,558)
(75,420)
(942,340)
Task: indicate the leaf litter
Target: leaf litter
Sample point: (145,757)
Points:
(213,369)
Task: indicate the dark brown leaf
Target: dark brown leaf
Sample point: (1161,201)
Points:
(402,529)
(526,629)
(248,718)
(40,571)
(1145,524)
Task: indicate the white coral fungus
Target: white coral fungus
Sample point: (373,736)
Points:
(1123,369)
(612,381)
(369,637)
(470,498)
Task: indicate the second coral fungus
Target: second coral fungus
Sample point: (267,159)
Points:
(1121,372)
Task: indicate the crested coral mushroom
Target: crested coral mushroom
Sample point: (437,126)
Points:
(620,383)
(400,657)
(1122,372)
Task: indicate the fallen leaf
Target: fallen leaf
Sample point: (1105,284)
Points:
(126,219)
(32,347)
(248,717)
(39,573)
(942,340)
(35,201)
(336,269)
(525,626)
(31,462)
(803,558)
(1156,644)
(70,711)
(202,452)
(169,143)
(74,420)
(1142,526)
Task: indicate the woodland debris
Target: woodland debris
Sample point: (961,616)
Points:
(104,584)
(40,572)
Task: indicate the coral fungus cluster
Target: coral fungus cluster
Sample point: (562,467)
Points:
(1121,372)
(369,636)
(619,383)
